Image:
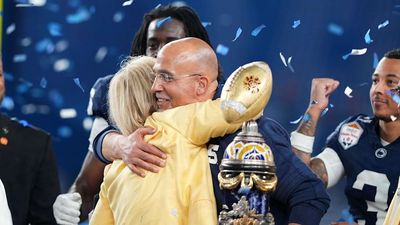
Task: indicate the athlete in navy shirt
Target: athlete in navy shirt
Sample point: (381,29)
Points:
(364,149)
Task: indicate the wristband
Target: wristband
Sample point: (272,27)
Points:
(302,142)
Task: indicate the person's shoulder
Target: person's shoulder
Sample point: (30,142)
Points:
(270,126)
(23,129)
(360,120)
(103,82)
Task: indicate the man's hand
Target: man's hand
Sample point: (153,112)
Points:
(66,208)
(137,154)
(321,89)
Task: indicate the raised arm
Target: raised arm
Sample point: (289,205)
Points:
(303,138)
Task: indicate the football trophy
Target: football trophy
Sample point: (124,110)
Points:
(247,168)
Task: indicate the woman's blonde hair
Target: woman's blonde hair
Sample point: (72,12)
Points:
(129,97)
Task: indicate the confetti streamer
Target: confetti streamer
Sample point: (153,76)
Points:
(100,54)
(43,82)
(64,131)
(222,49)
(78,83)
(68,113)
(61,65)
(80,16)
(163,21)
(375,61)
(296,121)
(348,91)
(10,29)
(205,24)
(283,59)
(384,24)
(355,52)
(367,37)
(54,29)
(257,30)
(290,64)
(127,3)
(19,58)
(335,29)
(296,23)
(118,17)
(238,33)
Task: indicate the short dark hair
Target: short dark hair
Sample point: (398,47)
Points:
(393,54)
(185,14)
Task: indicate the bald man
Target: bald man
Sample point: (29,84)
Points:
(182,193)
(300,197)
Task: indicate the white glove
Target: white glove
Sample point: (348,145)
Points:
(66,208)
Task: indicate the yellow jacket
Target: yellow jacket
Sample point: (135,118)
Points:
(182,192)
(393,214)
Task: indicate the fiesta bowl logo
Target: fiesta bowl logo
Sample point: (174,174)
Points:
(349,135)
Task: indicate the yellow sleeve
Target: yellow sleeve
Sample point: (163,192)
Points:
(102,214)
(198,122)
(393,214)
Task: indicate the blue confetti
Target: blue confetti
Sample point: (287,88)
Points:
(222,49)
(64,131)
(43,82)
(384,24)
(289,63)
(238,33)
(296,23)
(7,103)
(24,123)
(346,217)
(44,45)
(205,24)
(8,76)
(324,112)
(163,21)
(296,121)
(346,56)
(367,38)
(375,61)
(118,17)
(54,29)
(19,58)
(78,83)
(81,15)
(331,105)
(257,30)
(306,118)
(74,3)
(52,7)
(23,87)
(335,29)
(56,98)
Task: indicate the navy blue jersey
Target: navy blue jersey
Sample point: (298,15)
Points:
(372,170)
(300,196)
(98,102)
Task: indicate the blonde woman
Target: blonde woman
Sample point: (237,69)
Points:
(182,192)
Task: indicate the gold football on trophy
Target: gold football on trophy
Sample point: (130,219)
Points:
(246,92)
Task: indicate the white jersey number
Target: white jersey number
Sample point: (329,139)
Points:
(381,182)
(212,154)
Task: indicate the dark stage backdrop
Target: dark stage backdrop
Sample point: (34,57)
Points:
(53,53)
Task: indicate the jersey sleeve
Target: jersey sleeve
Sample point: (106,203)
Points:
(298,188)
(98,101)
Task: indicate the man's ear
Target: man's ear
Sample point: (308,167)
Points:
(202,85)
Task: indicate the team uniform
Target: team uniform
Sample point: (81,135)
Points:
(370,165)
(98,107)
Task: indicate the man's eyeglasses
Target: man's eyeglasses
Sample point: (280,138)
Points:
(166,78)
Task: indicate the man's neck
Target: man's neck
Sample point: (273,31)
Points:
(389,131)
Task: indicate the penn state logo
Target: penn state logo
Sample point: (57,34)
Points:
(380,153)
(349,134)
